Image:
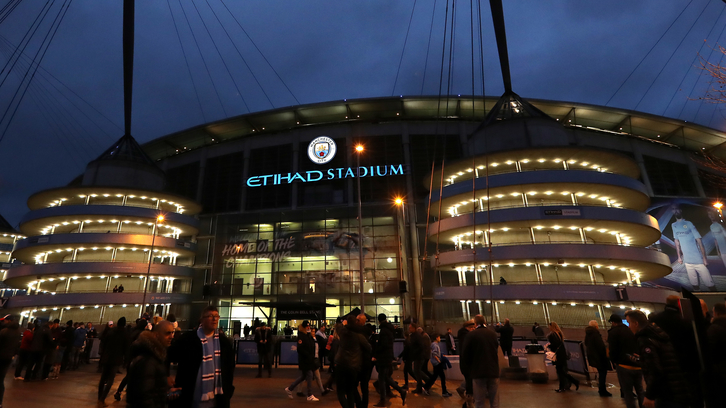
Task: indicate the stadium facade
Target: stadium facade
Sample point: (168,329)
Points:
(555,199)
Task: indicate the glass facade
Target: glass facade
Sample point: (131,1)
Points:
(266,262)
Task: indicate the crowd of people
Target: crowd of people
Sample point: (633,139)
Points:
(662,361)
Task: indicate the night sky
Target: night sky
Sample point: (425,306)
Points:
(324,50)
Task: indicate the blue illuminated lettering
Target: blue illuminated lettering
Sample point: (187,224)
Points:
(296,176)
(378,170)
(317,172)
(349,172)
(264,179)
(396,170)
(255,180)
(364,172)
(331,174)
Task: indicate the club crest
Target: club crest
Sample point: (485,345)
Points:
(321,150)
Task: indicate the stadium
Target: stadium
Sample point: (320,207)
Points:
(530,210)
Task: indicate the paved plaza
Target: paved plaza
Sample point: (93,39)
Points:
(78,389)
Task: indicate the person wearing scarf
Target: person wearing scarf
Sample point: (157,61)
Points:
(206,365)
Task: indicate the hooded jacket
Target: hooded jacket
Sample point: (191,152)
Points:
(9,341)
(621,342)
(115,344)
(663,376)
(596,352)
(384,346)
(147,384)
(351,348)
(305,350)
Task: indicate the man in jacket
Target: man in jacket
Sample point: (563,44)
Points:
(415,352)
(115,344)
(716,335)
(451,342)
(38,347)
(383,356)
(263,340)
(597,356)
(9,344)
(461,335)
(205,379)
(305,360)
(148,385)
(623,346)
(348,362)
(681,335)
(664,379)
(24,356)
(480,363)
(506,332)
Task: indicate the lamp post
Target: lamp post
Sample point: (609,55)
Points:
(399,203)
(359,150)
(159,218)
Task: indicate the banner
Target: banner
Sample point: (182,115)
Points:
(694,238)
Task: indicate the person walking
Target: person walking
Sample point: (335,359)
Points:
(9,345)
(147,373)
(506,333)
(305,360)
(133,334)
(206,361)
(622,347)
(322,339)
(666,385)
(537,330)
(451,342)
(383,355)
(480,363)
(415,353)
(348,363)
(79,340)
(597,356)
(465,387)
(24,356)
(439,368)
(557,345)
(263,340)
(425,353)
(69,334)
(115,344)
(38,347)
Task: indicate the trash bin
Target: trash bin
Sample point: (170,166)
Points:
(536,364)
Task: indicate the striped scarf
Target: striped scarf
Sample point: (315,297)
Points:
(211,366)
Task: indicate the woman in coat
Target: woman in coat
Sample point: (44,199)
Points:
(557,345)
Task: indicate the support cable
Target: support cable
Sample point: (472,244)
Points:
(648,53)
(59,19)
(403,50)
(220,54)
(428,48)
(204,60)
(688,70)
(44,12)
(671,57)
(261,54)
(186,61)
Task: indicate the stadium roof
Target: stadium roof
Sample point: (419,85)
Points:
(658,129)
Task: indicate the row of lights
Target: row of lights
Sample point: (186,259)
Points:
(25,313)
(614,203)
(39,257)
(47,229)
(61,200)
(461,238)
(535,302)
(584,164)
(13,236)
(633,272)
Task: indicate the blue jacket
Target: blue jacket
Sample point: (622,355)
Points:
(435,352)
(79,336)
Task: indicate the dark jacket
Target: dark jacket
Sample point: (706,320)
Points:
(366,352)
(596,352)
(681,336)
(415,351)
(717,345)
(557,345)
(383,351)
(351,348)
(41,339)
(538,331)
(263,335)
(663,376)
(305,351)
(322,342)
(147,385)
(188,353)
(9,341)
(115,344)
(450,343)
(506,333)
(426,345)
(479,354)
(621,342)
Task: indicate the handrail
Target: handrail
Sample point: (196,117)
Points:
(516,243)
(561,282)
(551,204)
(467,175)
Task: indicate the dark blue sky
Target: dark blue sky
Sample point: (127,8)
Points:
(326,50)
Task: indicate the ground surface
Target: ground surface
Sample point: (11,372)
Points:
(77,389)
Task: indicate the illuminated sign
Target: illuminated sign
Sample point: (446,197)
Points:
(321,150)
(329,174)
